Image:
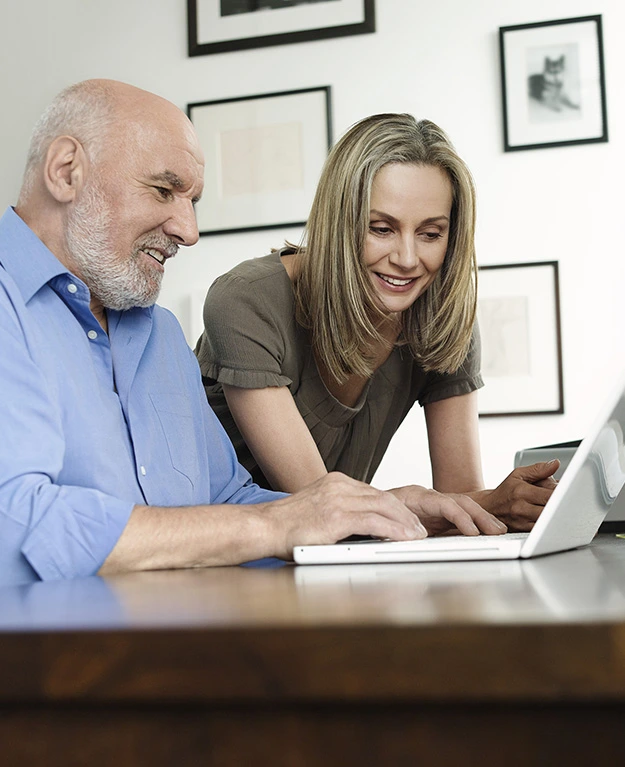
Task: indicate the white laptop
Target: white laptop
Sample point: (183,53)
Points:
(564,451)
(571,518)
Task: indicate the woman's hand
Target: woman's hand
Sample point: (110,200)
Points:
(448,512)
(520,498)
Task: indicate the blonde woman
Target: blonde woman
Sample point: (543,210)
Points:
(312,356)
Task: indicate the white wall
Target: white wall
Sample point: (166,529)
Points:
(436,60)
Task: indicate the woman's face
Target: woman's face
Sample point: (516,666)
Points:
(408,231)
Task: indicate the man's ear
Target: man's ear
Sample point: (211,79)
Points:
(65,168)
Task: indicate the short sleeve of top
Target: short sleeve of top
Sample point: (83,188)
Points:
(251,340)
(247,314)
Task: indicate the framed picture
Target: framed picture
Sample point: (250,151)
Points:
(519,318)
(217,26)
(553,83)
(263,155)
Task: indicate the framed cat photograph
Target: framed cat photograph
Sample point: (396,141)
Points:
(553,83)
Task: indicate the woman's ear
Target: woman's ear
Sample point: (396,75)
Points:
(65,168)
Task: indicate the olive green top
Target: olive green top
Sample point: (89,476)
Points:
(251,340)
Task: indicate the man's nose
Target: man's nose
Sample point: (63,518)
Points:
(182,224)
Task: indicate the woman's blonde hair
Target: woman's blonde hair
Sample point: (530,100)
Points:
(334,295)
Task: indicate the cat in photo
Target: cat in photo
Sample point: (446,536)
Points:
(548,88)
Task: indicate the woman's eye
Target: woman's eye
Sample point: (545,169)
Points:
(380,229)
(432,235)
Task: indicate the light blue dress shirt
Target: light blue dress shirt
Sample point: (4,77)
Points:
(92,424)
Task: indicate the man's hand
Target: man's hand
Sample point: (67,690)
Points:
(335,507)
(448,512)
(520,498)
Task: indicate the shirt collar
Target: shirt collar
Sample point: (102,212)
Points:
(24,256)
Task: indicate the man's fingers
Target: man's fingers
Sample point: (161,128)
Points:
(484,520)
(381,515)
(344,506)
(383,504)
(471,519)
(462,512)
(382,527)
(440,511)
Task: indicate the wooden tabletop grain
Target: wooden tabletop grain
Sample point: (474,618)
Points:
(478,664)
(551,628)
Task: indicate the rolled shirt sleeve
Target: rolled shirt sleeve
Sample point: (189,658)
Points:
(62,530)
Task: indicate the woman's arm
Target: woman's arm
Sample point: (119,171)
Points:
(276,435)
(456,466)
(279,440)
(454,443)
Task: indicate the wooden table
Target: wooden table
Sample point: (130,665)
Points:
(483,663)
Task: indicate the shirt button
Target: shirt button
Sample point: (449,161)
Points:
(92,334)
(72,288)
(142,470)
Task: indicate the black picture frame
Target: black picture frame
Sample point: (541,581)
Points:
(209,32)
(521,336)
(553,83)
(264,155)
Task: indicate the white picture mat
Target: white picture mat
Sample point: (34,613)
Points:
(537,390)
(212,27)
(272,206)
(516,43)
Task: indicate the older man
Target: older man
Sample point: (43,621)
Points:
(110,458)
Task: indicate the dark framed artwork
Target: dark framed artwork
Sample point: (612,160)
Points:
(263,157)
(218,26)
(553,83)
(519,319)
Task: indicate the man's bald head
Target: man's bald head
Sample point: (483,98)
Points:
(92,111)
(83,111)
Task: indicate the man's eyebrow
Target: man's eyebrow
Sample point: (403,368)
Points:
(168,177)
(173,180)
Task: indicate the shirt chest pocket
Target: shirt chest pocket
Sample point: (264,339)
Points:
(174,416)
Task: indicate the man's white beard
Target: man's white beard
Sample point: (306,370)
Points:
(118,282)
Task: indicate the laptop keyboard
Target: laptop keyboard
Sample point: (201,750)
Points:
(507,536)
(446,540)
(473,539)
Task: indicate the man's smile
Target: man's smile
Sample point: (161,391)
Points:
(156,254)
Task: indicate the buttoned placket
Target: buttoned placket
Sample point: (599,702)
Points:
(77,297)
